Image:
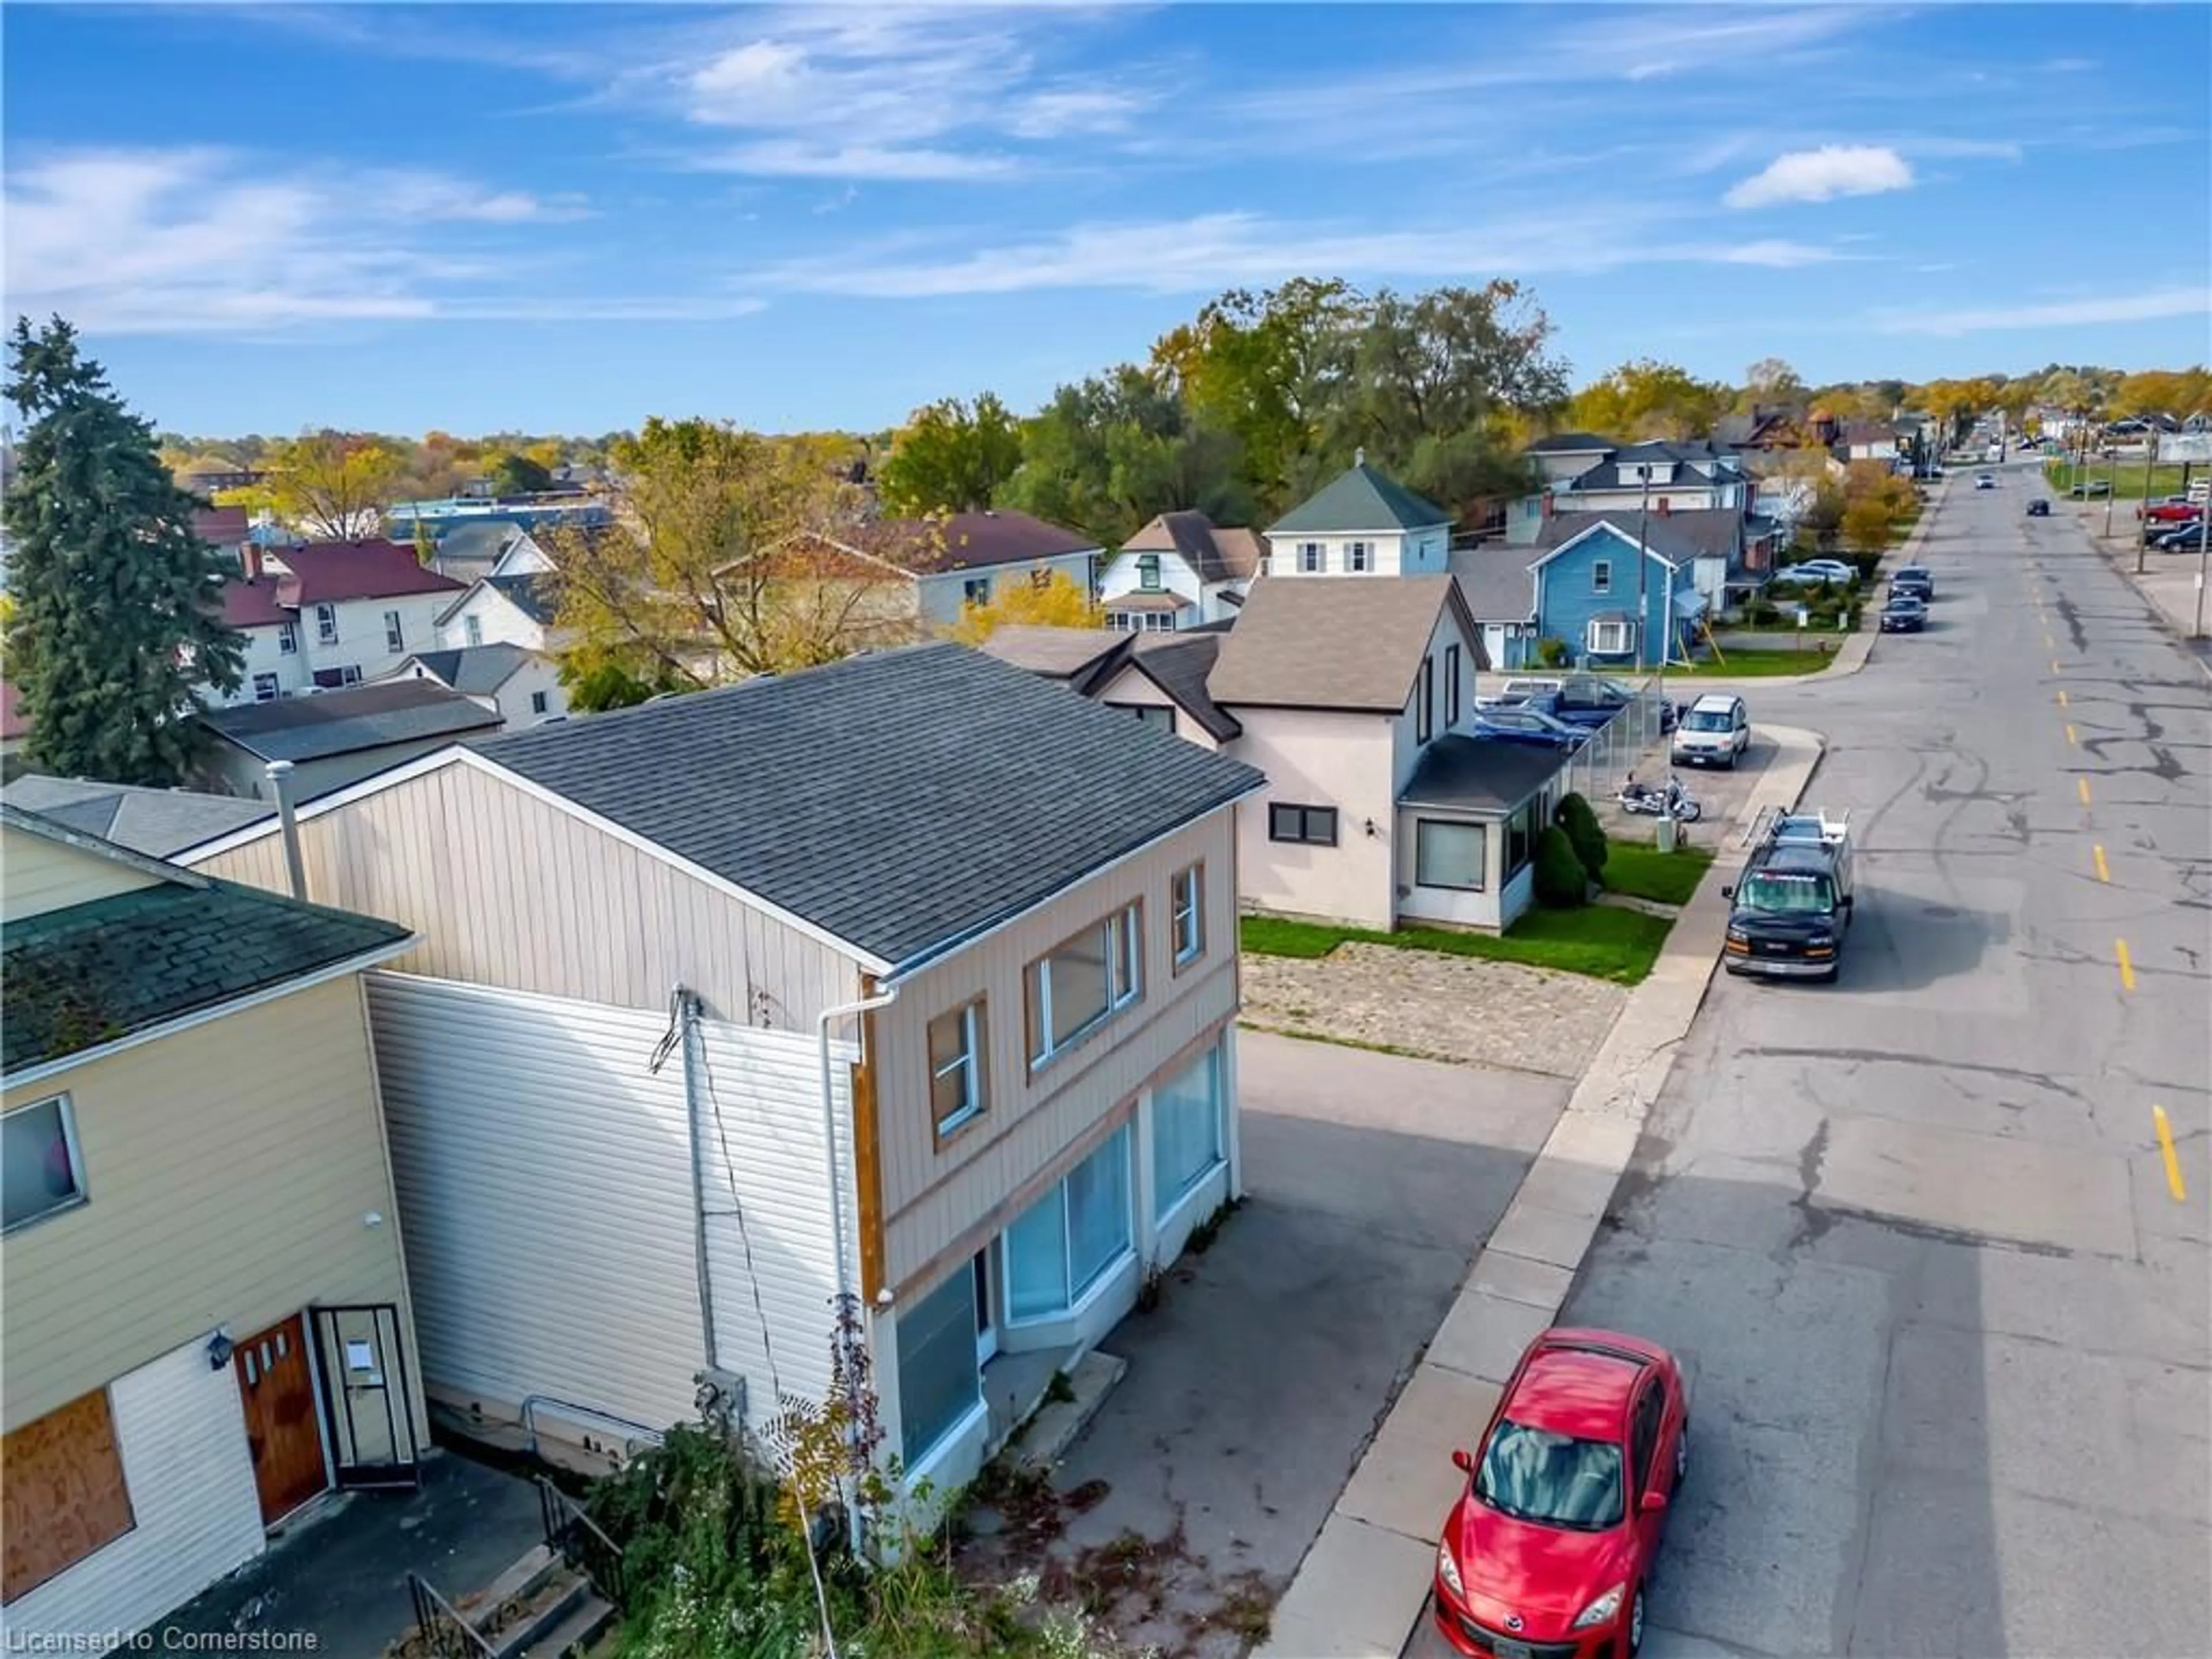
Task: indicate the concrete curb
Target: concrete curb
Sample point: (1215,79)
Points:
(1361,1589)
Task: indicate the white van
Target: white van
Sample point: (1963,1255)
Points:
(1715,733)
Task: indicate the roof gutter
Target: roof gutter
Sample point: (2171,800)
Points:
(307,982)
(903,971)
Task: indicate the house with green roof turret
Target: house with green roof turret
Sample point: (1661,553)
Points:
(1361,523)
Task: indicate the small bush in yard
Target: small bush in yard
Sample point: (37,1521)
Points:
(1584,832)
(1562,882)
(1552,654)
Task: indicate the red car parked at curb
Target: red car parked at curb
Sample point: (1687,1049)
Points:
(1547,1552)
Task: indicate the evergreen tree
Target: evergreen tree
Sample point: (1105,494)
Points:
(117,618)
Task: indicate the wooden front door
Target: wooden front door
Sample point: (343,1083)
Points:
(279,1391)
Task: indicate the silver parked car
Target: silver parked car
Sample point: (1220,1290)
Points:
(1715,731)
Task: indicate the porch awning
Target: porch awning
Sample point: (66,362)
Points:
(1479,775)
(1148,602)
(1690,604)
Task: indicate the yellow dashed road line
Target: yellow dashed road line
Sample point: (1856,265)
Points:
(2172,1160)
(2081,787)
(2071,740)
(2127,966)
(2104,870)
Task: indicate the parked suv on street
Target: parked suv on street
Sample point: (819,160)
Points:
(1715,731)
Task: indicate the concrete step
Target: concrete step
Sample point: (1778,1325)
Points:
(574,1634)
(550,1614)
(1052,1431)
(530,1573)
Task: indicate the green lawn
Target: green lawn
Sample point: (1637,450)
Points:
(1601,941)
(1645,872)
(2126,475)
(1757,665)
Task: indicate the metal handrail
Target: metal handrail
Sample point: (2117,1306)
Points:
(435,1617)
(571,1534)
(638,1431)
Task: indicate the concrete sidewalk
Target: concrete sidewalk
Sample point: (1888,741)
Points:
(2168,581)
(1360,1590)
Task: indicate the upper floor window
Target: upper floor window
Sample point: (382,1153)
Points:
(976,590)
(326,623)
(1358,557)
(472,630)
(41,1172)
(1148,713)
(395,636)
(1602,576)
(1083,980)
(1148,573)
(265,688)
(956,1066)
(1314,826)
(1451,685)
(288,638)
(1425,701)
(1187,896)
(1312,557)
(538,702)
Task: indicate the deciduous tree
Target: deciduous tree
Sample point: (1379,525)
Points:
(1866,523)
(951,457)
(117,618)
(704,577)
(516,473)
(332,485)
(1056,603)
(1646,398)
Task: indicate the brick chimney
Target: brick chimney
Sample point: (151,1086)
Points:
(1666,506)
(249,559)
(1549,508)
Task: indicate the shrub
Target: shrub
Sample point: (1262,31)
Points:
(1583,833)
(1562,882)
(1552,654)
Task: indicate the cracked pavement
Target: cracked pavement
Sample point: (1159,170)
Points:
(1949,1335)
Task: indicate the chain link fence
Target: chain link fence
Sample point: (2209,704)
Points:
(1596,770)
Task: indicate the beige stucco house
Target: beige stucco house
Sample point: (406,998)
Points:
(205,1322)
(1355,695)
(908,984)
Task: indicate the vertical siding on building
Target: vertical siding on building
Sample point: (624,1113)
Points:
(195,1516)
(544,1180)
(507,890)
(38,875)
(935,1197)
(230,1168)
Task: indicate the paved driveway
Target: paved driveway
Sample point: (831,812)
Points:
(1947,1326)
(1373,1181)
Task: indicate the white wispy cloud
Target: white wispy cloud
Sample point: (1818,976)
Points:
(2149,305)
(204,239)
(1212,251)
(1822,174)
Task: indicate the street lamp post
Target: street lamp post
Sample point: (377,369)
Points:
(2203,548)
(1642,563)
(2142,508)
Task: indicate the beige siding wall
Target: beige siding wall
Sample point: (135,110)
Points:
(935,1197)
(228,1170)
(1320,758)
(1130,688)
(506,889)
(38,875)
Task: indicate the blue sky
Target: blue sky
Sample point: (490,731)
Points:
(568,218)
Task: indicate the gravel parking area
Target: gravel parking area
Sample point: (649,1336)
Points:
(1441,1007)
(1720,791)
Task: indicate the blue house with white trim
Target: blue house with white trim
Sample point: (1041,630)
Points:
(1587,596)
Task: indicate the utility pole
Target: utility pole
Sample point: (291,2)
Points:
(1643,564)
(2203,546)
(2142,509)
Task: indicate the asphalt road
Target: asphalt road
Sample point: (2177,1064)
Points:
(1950,1332)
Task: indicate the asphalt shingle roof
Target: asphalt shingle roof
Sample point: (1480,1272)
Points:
(901,801)
(156,822)
(1348,642)
(1571,443)
(1679,537)
(1360,499)
(1214,553)
(1495,582)
(1478,775)
(1081,656)
(1182,665)
(475,671)
(533,595)
(92,974)
(343,722)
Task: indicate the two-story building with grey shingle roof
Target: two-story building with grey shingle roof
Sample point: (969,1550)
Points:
(907,984)
(1361,523)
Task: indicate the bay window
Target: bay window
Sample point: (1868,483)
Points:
(1072,1237)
